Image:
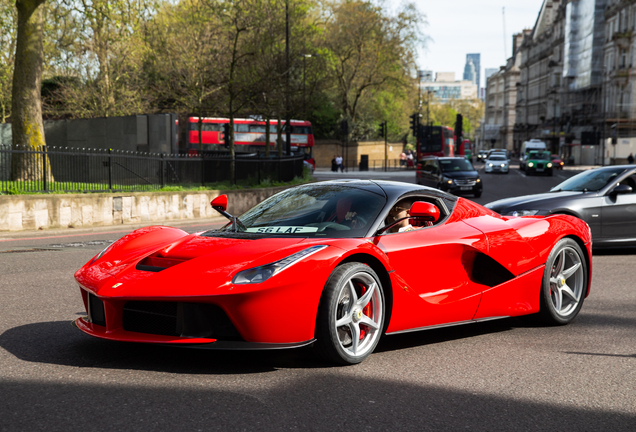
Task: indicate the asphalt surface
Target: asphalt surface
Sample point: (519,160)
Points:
(501,375)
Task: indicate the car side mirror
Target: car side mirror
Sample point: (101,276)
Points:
(219,203)
(622,189)
(424,211)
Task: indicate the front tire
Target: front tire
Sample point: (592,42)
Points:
(564,284)
(351,315)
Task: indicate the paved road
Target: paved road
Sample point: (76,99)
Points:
(504,375)
(496,186)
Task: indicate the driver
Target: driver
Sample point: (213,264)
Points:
(347,214)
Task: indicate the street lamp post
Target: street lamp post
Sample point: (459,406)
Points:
(288,101)
(305,56)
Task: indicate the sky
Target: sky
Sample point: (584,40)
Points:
(459,27)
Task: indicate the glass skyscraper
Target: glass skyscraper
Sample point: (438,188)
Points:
(476,59)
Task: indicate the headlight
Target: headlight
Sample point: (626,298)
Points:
(503,165)
(477,181)
(262,273)
(489,165)
(523,213)
(450,182)
(530,164)
(549,165)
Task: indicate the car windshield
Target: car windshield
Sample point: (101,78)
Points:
(451,165)
(539,156)
(309,211)
(497,158)
(592,180)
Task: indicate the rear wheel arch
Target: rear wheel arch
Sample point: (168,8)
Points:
(564,284)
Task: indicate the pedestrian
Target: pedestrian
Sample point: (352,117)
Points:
(402,159)
(339,163)
(409,160)
(334,164)
(630,159)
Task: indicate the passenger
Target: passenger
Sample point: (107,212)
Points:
(399,211)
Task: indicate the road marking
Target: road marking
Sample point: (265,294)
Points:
(521,173)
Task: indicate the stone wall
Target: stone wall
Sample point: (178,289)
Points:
(37,212)
(324,151)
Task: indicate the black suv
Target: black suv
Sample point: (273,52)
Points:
(450,174)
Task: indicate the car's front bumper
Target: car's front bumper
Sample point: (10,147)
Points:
(496,168)
(458,189)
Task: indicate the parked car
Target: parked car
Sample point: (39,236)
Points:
(450,174)
(557,162)
(321,264)
(497,162)
(538,162)
(604,197)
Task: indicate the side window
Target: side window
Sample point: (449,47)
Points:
(434,167)
(400,210)
(630,181)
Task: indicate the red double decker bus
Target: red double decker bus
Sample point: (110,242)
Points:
(465,148)
(249,135)
(436,141)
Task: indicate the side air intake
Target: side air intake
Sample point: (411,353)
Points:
(487,271)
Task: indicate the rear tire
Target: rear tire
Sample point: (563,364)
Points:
(351,315)
(564,283)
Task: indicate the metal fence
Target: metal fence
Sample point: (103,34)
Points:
(378,165)
(65,169)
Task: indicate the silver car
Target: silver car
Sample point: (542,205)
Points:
(497,162)
(604,197)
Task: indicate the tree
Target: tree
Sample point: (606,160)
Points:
(473,112)
(183,59)
(8,21)
(26,115)
(106,57)
(368,49)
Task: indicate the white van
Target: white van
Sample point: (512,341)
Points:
(526,147)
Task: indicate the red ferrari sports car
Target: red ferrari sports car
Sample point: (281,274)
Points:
(335,264)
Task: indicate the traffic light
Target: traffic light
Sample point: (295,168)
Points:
(382,130)
(415,123)
(226,135)
(458,127)
(344,128)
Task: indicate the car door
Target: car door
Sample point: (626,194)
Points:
(431,274)
(618,213)
(427,173)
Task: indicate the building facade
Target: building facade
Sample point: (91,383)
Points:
(501,100)
(571,75)
(493,116)
(446,88)
(618,133)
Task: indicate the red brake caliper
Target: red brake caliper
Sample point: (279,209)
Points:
(368,310)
